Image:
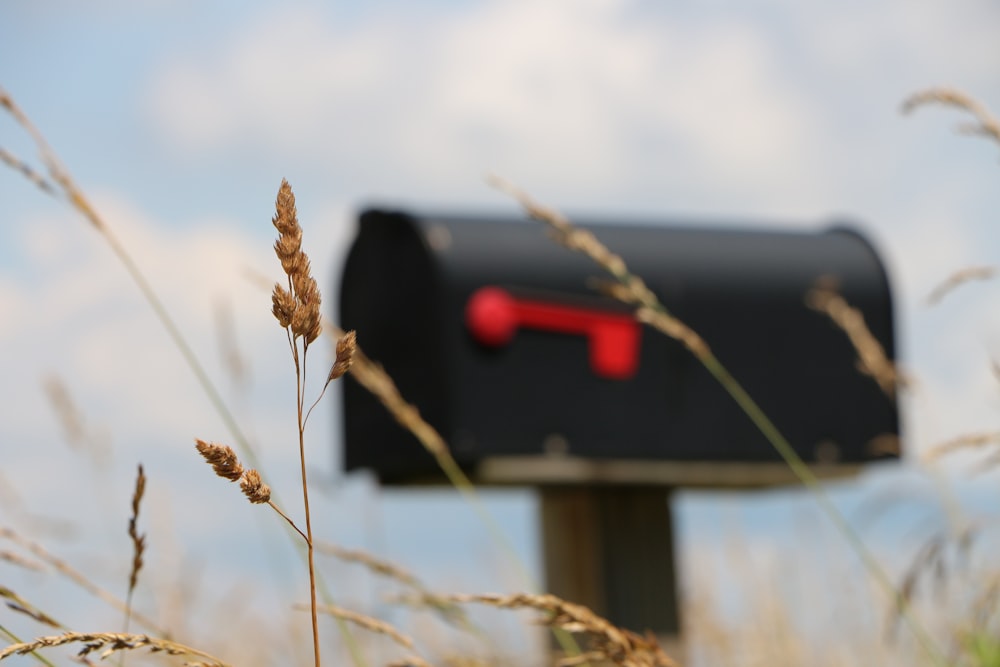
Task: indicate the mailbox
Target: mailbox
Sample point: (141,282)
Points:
(497,335)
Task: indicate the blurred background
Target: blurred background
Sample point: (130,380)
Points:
(180,119)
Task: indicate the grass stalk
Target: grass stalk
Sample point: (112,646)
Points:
(60,185)
(296,306)
(313,607)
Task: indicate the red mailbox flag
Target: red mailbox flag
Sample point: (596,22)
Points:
(493,316)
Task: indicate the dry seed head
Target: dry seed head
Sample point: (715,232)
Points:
(306,323)
(303,284)
(287,248)
(299,309)
(871,355)
(222,458)
(299,269)
(620,647)
(346,347)
(254,487)
(283,305)
(138,541)
(285,218)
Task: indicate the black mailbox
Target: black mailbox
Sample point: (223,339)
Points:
(496,334)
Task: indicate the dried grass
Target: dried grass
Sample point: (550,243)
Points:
(138,542)
(254,488)
(367,622)
(347,347)
(968,441)
(222,458)
(20,561)
(423,597)
(410,661)
(984,123)
(111,642)
(871,355)
(377,565)
(608,642)
(630,288)
(296,308)
(227,465)
(958,279)
(63,568)
(16,603)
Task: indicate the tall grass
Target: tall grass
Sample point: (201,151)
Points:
(296,306)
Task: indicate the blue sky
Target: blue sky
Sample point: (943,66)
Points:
(180,119)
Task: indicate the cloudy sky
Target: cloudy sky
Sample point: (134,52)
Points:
(180,118)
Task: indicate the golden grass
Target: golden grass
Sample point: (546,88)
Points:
(967,441)
(984,123)
(871,355)
(296,307)
(367,622)
(630,288)
(423,598)
(607,641)
(222,458)
(16,603)
(20,561)
(377,565)
(108,643)
(297,310)
(959,278)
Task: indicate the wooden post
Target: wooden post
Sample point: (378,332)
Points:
(611,548)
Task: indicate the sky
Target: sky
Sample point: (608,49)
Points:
(180,118)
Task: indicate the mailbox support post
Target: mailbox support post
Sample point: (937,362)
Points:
(611,548)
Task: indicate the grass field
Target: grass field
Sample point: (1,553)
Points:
(121,598)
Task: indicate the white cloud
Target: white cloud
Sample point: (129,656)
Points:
(84,319)
(553,93)
(787,111)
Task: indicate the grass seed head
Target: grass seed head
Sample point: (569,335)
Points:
(138,541)
(346,347)
(283,305)
(222,458)
(299,308)
(285,218)
(254,487)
